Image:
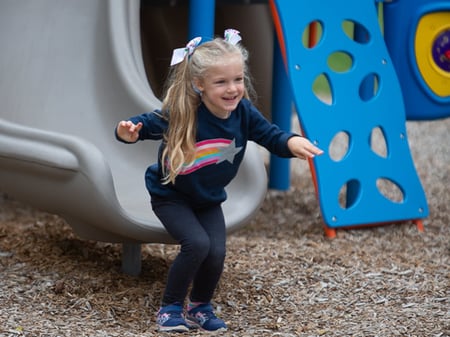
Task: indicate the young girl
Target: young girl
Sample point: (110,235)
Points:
(204,124)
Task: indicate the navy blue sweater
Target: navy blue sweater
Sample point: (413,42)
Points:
(220,147)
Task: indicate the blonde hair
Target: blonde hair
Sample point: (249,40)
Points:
(181,102)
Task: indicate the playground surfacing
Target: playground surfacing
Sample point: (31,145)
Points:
(283,277)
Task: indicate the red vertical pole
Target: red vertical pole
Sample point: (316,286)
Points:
(312,39)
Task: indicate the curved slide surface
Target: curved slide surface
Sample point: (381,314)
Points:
(69,71)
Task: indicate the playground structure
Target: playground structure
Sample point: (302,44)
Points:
(425,76)
(74,70)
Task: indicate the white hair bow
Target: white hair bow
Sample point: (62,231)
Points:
(232,36)
(179,54)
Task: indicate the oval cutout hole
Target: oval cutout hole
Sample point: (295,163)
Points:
(349,193)
(390,190)
(340,61)
(339,146)
(369,87)
(378,142)
(356,31)
(322,89)
(312,34)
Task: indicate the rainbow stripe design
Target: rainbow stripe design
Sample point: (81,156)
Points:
(212,151)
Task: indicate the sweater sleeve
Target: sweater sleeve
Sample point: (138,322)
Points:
(267,134)
(153,126)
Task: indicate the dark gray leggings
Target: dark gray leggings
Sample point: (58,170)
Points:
(202,236)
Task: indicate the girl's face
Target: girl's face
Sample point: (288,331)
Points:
(223,86)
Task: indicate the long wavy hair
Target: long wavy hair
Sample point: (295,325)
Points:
(181,102)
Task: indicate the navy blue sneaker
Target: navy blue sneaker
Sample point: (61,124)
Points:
(202,316)
(170,318)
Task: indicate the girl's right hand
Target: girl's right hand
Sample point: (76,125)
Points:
(128,131)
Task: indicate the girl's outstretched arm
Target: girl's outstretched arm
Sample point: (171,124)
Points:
(302,148)
(128,131)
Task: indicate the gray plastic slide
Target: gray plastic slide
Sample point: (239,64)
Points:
(69,71)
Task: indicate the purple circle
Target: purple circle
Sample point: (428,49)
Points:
(441,50)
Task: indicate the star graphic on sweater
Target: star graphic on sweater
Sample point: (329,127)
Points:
(228,153)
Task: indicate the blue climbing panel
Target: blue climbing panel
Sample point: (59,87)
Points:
(365,100)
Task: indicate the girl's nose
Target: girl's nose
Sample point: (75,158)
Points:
(231,87)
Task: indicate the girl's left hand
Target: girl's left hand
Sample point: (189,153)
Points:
(302,148)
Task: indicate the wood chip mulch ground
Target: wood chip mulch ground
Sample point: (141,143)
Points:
(283,277)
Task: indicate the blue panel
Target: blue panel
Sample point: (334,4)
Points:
(352,111)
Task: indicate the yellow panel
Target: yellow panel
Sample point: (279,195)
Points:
(432,27)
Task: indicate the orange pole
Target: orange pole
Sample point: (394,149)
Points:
(312,39)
